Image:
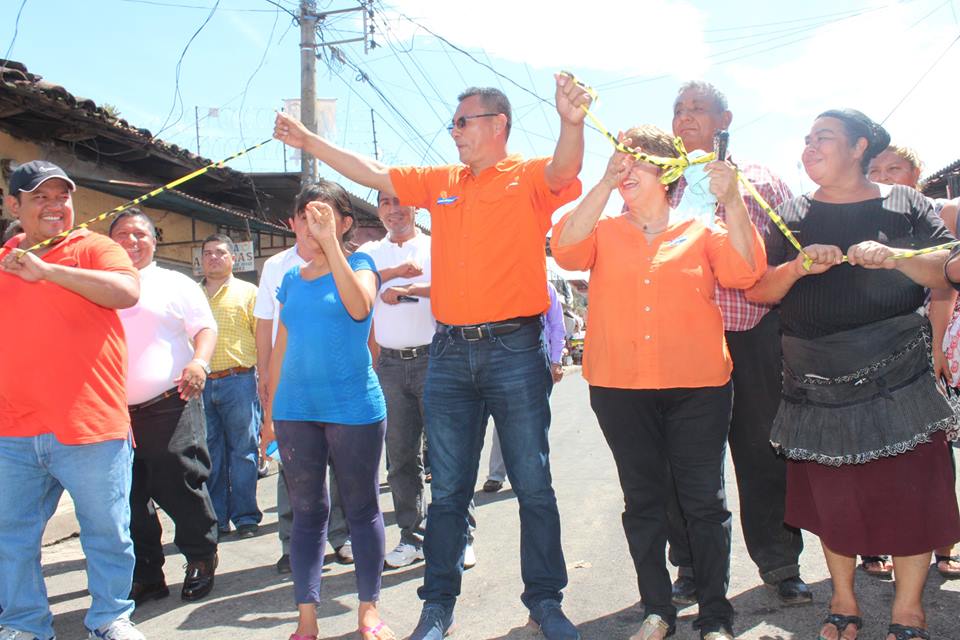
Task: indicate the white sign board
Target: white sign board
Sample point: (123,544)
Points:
(242,258)
(326,118)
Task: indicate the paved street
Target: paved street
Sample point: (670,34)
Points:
(251,601)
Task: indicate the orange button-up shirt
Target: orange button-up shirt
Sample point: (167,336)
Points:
(488,232)
(653,321)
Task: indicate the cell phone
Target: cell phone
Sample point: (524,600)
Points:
(407,299)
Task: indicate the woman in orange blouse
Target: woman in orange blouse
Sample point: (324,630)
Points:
(658,366)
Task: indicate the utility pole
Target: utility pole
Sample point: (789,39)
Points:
(196,119)
(309,18)
(373,125)
(308,83)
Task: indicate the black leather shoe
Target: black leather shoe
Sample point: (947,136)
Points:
(247,530)
(684,591)
(793,591)
(283,564)
(141,592)
(198,581)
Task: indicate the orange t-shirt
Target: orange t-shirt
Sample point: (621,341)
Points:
(653,321)
(488,230)
(64,359)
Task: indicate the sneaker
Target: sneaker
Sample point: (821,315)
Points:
(434,624)
(553,624)
(403,555)
(247,530)
(13,634)
(469,557)
(119,629)
(345,553)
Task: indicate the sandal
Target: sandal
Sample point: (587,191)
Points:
(841,622)
(948,574)
(372,630)
(884,574)
(902,632)
(651,624)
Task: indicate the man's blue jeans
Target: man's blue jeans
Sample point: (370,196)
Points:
(35,471)
(509,378)
(233,421)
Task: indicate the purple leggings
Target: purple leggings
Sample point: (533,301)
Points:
(354,450)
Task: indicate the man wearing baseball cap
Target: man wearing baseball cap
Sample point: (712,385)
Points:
(63,413)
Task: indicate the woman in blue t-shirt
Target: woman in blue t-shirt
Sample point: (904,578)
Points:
(327,406)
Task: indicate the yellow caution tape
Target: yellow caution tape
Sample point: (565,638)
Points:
(136,201)
(674,168)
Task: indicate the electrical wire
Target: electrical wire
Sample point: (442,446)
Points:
(177,5)
(920,79)
(16,31)
(176,96)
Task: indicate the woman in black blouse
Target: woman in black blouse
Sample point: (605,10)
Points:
(861,420)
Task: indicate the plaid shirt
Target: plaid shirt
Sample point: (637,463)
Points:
(738,313)
(232,307)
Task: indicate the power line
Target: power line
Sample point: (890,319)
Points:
(362,75)
(417,136)
(176,89)
(634,80)
(920,79)
(177,5)
(16,30)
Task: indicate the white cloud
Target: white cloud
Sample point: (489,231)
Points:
(637,38)
(868,63)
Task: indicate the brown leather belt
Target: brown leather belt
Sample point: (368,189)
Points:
(233,371)
(472,333)
(406,354)
(169,393)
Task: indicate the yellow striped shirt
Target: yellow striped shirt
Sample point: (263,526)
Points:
(232,307)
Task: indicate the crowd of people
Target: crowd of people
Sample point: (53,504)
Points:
(824,360)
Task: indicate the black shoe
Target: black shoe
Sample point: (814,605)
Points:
(198,581)
(492,486)
(793,591)
(684,591)
(141,592)
(247,530)
(283,564)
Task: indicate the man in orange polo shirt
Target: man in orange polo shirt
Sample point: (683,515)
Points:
(490,215)
(63,406)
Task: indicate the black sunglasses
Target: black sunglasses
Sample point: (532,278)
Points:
(461,122)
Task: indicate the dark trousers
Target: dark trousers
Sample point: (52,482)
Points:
(686,429)
(761,474)
(306,449)
(170,469)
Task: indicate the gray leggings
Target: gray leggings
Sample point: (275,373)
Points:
(305,449)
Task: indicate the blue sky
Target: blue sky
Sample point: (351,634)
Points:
(780,64)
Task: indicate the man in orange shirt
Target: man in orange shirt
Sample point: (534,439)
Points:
(490,215)
(63,407)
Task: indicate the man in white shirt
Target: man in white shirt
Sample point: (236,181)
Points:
(267,312)
(170,336)
(403,327)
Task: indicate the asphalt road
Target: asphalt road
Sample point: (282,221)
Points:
(252,601)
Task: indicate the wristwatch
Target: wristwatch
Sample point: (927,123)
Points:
(203,363)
